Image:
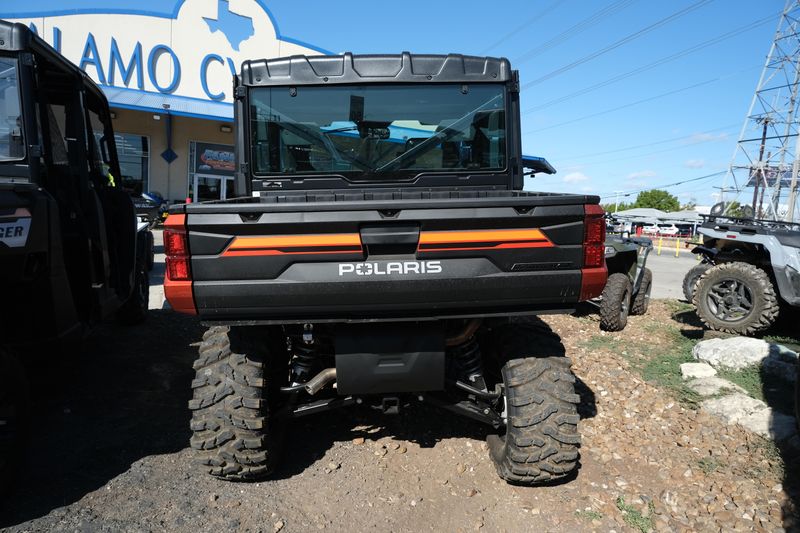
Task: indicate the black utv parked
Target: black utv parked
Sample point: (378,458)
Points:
(383,252)
(72,251)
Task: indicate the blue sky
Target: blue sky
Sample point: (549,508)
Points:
(694,105)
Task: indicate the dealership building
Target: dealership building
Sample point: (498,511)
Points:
(168,79)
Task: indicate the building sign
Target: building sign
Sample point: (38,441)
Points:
(214,159)
(771,176)
(190,54)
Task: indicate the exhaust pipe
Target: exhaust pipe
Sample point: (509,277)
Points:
(466,334)
(315,384)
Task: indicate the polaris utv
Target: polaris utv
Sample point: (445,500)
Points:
(382,252)
(630,282)
(750,268)
(72,252)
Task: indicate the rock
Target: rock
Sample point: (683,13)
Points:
(733,407)
(277,526)
(734,353)
(780,369)
(358,440)
(461,468)
(697,370)
(753,415)
(333,466)
(770,423)
(712,385)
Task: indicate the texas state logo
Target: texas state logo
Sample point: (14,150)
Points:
(192,52)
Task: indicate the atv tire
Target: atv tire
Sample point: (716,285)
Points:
(134,310)
(615,303)
(691,278)
(230,415)
(150,251)
(736,298)
(641,300)
(13,418)
(541,439)
(797,397)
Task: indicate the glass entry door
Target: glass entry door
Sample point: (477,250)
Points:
(211,170)
(208,187)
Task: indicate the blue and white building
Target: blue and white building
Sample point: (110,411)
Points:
(168,77)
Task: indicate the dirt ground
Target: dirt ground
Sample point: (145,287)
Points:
(110,453)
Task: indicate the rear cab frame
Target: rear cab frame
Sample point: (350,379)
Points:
(324,246)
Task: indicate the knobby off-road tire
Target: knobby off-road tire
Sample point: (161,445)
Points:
(691,278)
(541,438)
(134,310)
(14,398)
(764,307)
(641,300)
(230,413)
(797,397)
(615,303)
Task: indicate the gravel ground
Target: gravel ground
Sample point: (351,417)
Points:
(109,453)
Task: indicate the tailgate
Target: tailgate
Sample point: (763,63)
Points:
(276,263)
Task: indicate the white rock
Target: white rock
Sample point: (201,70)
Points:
(697,370)
(780,369)
(734,353)
(712,385)
(734,407)
(770,424)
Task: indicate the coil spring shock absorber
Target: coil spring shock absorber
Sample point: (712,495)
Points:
(467,357)
(304,354)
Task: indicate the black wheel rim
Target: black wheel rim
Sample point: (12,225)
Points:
(730,300)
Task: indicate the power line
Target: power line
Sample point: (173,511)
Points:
(642,101)
(617,44)
(654,64)
(651,187)
(653,143)
(625,106)
(525,25)
(574,30)
(639,156)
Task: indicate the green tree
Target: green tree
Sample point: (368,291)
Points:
(657,199)
(612,207)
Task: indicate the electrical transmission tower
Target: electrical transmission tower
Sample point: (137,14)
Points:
(767,157)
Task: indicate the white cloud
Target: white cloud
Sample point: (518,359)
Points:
(695,163)
(574,177)
(706,137)
(641,174)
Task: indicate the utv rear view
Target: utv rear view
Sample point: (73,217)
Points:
(382,252)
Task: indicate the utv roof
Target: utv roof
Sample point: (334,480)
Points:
(16,37)
(395,68)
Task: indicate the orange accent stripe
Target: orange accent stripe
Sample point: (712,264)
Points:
(502,246)
(241,253)
(289,241)
(489,235)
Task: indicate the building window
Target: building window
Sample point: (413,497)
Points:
(134,161)
(211,169)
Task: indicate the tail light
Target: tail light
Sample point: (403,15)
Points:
(178,281)
(594,272)
(594,237)
(176,248)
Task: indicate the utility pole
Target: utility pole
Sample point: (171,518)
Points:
(616,200)
(759,173)
(769,141)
